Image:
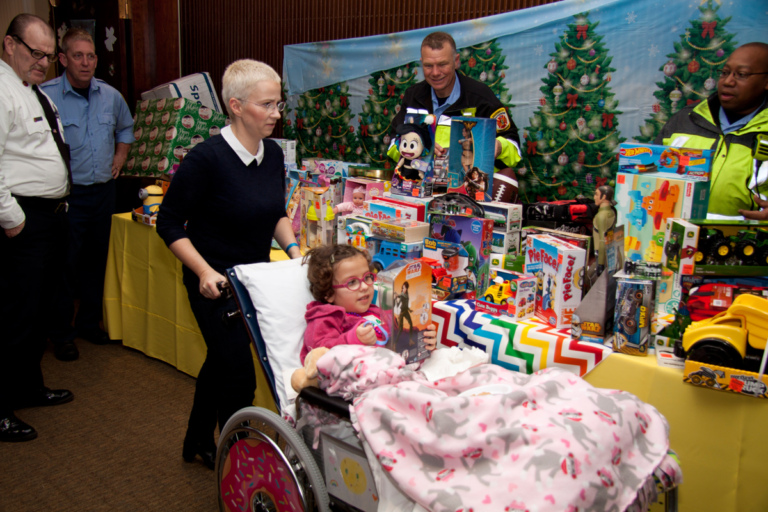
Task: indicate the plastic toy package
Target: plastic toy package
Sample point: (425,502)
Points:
(511,294)
(632,315)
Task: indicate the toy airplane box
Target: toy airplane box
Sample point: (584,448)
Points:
(646,201)
(414,171)
(511,294)
(632,316)
(470,160)
(475,235)
(405,298)
(680,241)
(559,270)
(694,164)
(450,263)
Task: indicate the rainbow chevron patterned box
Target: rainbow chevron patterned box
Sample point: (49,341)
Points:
(646,201)
(525,346)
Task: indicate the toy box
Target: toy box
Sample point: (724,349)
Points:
(506,243)
(406,301)
(646,201)
(472,233)
(383,251)
(694,164)
(372,189)
(414,171)
(731,248)
(388,211)
(506,217)
(289,150)
(632,319)
(511,294)
(408,202)
(197,87)
(559,270)
(353,230)
(470,160)
(449,263)
(164,130)
(317,220)
(497,261)
(401,230)
(680,241)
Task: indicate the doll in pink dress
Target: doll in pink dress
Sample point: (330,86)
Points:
(356,206)
(341,280)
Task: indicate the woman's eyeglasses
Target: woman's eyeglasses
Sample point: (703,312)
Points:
(353,283)
(269,107)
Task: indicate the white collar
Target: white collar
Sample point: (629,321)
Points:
(240,150)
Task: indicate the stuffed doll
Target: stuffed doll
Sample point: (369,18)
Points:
(307,376)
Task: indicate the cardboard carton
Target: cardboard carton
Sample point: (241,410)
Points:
(197,87)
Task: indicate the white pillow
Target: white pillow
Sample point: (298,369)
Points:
(280,293)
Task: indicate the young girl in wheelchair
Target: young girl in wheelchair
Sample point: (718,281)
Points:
(341,280)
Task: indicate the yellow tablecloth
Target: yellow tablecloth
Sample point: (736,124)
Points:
(718,435)
(146,304)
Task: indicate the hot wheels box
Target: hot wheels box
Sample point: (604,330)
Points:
(511,294)
(646,201)
(559,270)
(632,317)
(695,164)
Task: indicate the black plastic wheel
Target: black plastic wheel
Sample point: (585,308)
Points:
(262,464)
(489,298)
(746,251)
(378,267)
(696,379)
(698,257)
(717,352)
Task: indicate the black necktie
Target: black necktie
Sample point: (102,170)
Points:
(54,124)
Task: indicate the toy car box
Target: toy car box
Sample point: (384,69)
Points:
(680,241)
(449,262)
(405,298)
(644,203)
(470,160)
(559,270)
(731,248)
(401,230)
(506,217)
(632,318)
(511,294)
(383,251)
(474,235)
(694,164)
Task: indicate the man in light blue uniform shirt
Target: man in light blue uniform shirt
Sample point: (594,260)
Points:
(99,129)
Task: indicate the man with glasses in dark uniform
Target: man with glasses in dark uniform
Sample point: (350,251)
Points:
(728,122)
(34,186)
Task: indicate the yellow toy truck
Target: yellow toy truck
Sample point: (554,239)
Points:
(735,338)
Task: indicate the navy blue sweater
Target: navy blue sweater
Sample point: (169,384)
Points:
(231,209)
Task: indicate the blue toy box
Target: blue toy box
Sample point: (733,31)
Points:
(694,164)
(475,235)
(470,160)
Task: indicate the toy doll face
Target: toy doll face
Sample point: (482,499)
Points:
(358,198)
(411,145)
(353,302)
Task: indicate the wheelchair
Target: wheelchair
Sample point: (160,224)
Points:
(264,463)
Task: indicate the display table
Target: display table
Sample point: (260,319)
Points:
(146,304)
(719,436)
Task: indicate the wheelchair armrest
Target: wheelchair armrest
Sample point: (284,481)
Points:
(320,398)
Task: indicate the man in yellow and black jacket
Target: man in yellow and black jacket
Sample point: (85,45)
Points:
(728,123)
(446,93)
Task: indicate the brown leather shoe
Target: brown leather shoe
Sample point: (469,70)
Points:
(13,430)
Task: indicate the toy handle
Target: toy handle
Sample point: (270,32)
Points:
(379,332)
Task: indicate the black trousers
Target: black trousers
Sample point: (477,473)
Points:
(90,220)
(31,269)
(227,380)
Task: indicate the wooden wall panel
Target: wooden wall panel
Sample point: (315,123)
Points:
(215,33)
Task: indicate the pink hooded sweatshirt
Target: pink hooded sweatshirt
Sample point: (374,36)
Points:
(329,325)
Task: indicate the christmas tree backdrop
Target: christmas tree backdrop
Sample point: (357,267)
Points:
(382,104)
(569,147)
(690,74)
(322,125)
(485,62)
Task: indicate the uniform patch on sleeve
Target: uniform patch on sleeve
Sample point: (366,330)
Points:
(502,119)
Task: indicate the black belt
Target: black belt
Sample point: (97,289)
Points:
(43,203)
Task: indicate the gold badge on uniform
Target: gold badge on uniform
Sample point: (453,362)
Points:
(502,119)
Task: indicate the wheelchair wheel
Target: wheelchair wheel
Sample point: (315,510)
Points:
(262,465)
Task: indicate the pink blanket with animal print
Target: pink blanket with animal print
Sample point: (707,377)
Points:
(490,439)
